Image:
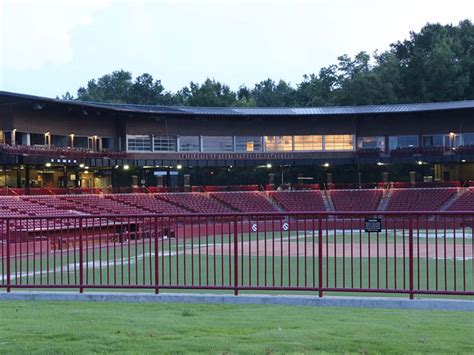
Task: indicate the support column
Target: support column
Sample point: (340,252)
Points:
(271,180)
(18,176)
(27,179)
(187,183)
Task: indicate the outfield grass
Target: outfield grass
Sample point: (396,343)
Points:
(72,327)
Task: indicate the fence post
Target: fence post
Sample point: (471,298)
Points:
(8,256)
(81,257)
(320,256)
(236,259)
(410,255)
(157,278)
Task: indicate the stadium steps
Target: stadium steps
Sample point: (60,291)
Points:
(130,203)
(274,203)
(223,202)
(248,201)
(384,200)
(355,199)
(187,204)
(296,201)
(461,191)
(327,201)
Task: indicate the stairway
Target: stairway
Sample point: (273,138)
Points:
(384,200)
(458,194)
(327,201)
(275,204)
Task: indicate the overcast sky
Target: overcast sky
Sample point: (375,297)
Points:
(48,47)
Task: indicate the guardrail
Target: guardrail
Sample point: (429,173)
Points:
(378,252)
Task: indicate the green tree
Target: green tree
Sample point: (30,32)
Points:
(267,93)
(118,87)
(211,93)
(435,64)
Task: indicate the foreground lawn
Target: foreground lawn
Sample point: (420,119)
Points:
(58,327)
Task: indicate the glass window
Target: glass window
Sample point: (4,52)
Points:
(308,142)
(278,143)
(79,142)
(371,142)
(453,140)
(468,138)
(435,140)
(189,144)
(59,141)
(217,144)
(139,143)
(403,142)
(339,142)
(8,138)
(248,144)
(164,143)
(108,143)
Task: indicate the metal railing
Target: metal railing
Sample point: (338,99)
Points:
(380,252)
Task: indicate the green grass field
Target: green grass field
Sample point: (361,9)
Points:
(67,327)
(182,262)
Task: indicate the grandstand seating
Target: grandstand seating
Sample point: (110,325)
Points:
(402,199)
(150,203)
(245,201)
(27,207)
(356,200)
(465,202)
(196,202)
(419,199)
(299,200)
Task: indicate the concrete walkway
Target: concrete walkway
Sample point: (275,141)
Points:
(327,301)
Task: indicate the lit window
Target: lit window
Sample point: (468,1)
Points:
(248,144)
(278,143)
(308,142)
(339,142)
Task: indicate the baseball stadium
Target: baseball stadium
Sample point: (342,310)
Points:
(236,177)
(357,199)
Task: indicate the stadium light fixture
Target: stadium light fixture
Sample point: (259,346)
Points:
(126,167)
(179,166)
(269,166)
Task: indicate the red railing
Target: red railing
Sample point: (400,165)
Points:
(413,253)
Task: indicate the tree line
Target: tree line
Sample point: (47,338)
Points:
(436,64)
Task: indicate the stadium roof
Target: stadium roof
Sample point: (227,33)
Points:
(9,97)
